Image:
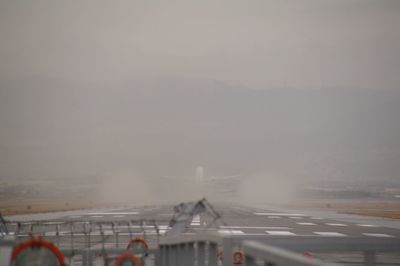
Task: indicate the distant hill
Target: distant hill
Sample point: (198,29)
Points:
(57,128)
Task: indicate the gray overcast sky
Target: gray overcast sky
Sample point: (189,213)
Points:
(258,44)
(297,89)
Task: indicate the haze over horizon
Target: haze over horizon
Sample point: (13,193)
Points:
(293,90)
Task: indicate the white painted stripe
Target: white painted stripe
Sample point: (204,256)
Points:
(164,227)
(367,225)
(254,234)
(274,217)
(152,233)
(335,224)
(295,217)
(112,213)
(317,218)
(118,216)
(377,235)
(278,214)
(135,226)
(97,216)
(231,232)
(105,232)
(196,218)
(306,223)
(280,233)
(329,234)
(257,227)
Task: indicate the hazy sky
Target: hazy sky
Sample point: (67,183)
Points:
(294,88)
(258,44)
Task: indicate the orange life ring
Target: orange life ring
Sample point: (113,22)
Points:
(138,240)
(41,243)
(127,256)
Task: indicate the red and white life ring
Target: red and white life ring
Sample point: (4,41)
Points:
(37,242)
(127,257)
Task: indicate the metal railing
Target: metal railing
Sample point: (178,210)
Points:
(269,255)
(86,241)
(187,250)
(216,249)
(203,250)
(366,246)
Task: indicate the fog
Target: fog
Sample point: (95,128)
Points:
(140,93)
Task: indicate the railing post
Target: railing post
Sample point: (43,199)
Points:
(165,255)
(86,258)
(173,255)
(170,256)
(157,256)
(227,245)
(249,261)
(190,254)
(212,254)
(369,258)
(201,253)
(181,256)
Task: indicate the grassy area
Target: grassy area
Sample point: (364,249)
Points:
(383,214)
(26,206)
(376,208)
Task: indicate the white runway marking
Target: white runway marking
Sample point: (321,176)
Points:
(367,225)
(53,223)
(231,232)
(295,217)
(274,217)
(280,233)
(306,223)
(112,213)
(278,214)
(317,218)
(152,233)
(254,234)
(164,227)
(118,216)
(335,224)
(329,234)
(377,235)
(135,226)
(196,220)
(50,233)
(257,227)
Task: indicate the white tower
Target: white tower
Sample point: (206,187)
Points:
(199,175)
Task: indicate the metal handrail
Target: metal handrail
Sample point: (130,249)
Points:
(276,256)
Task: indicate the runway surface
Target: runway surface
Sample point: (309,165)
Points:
(265,225)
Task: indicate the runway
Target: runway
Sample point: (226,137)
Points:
(265,225)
